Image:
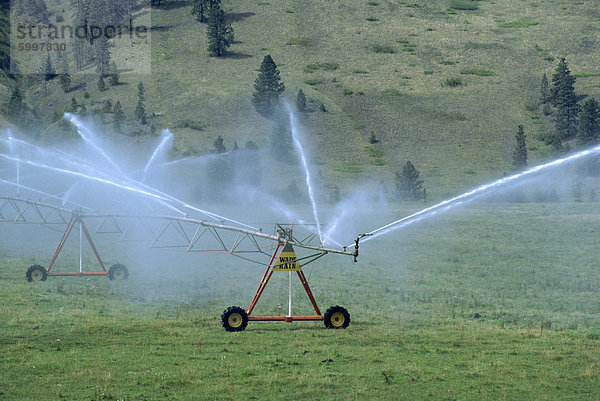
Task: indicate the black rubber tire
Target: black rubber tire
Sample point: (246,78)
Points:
(118,272)
(336,317)
(234,318)
(36,273)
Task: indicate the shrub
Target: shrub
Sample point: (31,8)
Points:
(325,66)
(191,124)
(478,72)
(453,82)
(464,4)
(518,24)
(313,82)
(384,49)
(301,42)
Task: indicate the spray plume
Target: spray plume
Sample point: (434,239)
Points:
(457,200)
(296,137)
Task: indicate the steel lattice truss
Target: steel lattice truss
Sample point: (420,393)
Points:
(163,232)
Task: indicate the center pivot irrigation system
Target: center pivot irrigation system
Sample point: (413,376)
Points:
(188,235)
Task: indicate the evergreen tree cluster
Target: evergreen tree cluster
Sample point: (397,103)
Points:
(571,119)
(219,33)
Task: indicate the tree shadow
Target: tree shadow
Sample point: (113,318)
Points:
(238,56)
(170,5)
(161,28)
(236,17)
(76,87)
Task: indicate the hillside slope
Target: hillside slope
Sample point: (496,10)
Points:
(379,66)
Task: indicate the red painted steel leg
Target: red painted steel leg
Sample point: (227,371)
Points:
(259,292)
(308,291)
(89,238)
(262,280)
(62,242)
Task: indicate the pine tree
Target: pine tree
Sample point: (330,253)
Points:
(301,102)
(218,145)
(565,101)
(140,110)
(107,106)
(408,184)
(49,72)
(219,33)
(118,116)
(113,74)
(589,124)
(268,87)
(282,140)
(65,78)
(101,84)
(16,107)
(373,138)
(102,56)
(74,106)
(544,90)
(520,151)
(201,8)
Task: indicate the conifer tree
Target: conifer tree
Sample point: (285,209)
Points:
(101,84)
(118,116)
(102,55)
(49,72)
(218,145)
(113,74)
(74,105)
(282,140)
(219,33)
(301,102)
(268,87)
(565,101)
(16,107)
(520,151)
(140,110)
(589,124)
(65,78)
(201,8)
(107,107)
(544,90)
(408,184)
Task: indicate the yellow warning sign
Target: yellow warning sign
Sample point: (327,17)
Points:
(287,260)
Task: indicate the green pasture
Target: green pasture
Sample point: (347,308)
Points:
(494,301)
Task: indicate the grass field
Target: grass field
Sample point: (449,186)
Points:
(528,270)
(494,301)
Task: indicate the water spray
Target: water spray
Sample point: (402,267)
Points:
(167,138)
(457,200)
(300,149)
(87,136)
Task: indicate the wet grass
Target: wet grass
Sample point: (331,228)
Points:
(496,301)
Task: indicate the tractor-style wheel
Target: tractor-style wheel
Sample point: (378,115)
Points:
(118,272)
(234,319)
(336,317)
(36,273)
